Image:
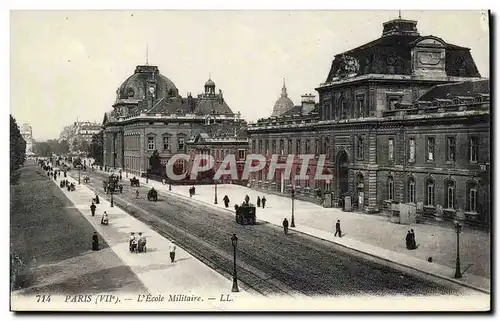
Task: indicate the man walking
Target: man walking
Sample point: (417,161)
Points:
(172,252)
(337,229)
(285,226)
(263,201)
(92,209)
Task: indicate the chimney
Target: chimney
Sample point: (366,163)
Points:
(308,103)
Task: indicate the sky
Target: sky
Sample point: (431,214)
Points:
(67,65)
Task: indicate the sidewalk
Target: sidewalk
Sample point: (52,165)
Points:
(370,234)
(187,276)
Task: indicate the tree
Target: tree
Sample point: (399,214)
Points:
(64,146)
(95,148)
(42,149)
(17,150)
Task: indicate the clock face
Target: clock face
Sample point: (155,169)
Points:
(152,89)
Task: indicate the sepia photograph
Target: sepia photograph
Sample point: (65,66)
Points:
(250,160)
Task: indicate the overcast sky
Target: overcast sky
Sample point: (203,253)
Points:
(68,64)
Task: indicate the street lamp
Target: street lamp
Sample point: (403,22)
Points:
(215,201)
(112,188)
(79,167)
(147,175)
(169,184)
(234,240)
(293,208)
(458,273)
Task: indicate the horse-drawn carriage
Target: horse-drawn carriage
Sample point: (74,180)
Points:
(245,214)
(152,195)
(86,179)
(134,182)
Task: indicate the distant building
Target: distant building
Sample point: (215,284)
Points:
(404,118)
(283,104)
(79,131)
(26,132)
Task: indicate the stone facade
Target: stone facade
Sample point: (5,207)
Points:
(149,115)
(379,99)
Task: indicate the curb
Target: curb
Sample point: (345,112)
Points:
(473,287)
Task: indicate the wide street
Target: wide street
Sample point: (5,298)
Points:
(268,261)
(52,242)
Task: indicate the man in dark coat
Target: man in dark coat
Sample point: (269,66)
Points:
(408,240)
(337,229)
(263,201)
(247,199)
(95,242)
(226,201)
(258,201)
(285,226)
(92,209)
(96,199)
(413,241)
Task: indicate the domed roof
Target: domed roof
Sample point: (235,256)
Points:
(135,87)
(283,104)
(209,83)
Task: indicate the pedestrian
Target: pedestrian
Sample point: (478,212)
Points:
(337,229)
(263,201)
(95,242)
(59,173)
(226,201)
(285,226)
(413,241)
(96,199)
(172,252)
(408,240)
(258,201)
(65,175)
(121,188)
(92,209)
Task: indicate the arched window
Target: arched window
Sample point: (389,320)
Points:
(411,190)
(472,197)
(390,188)
(282,147)
(450,194)
(326,147)
(429,192)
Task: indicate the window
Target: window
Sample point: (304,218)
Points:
(273,150)
(430,148)
(316,147)
(361,106)
(473,148)
(450,149)
(472,197)
(180,165)
(166,143)
(308,147)
(180,143)
(361,148)
(429,192)
(391,149)
(289,147)
(412,150)
(390,188)
(392,101)
(151,143)
(298,148)
(411,190)
(450,194)
(282,147)
(266,147)
(327,147)
(254,147)
(241,154)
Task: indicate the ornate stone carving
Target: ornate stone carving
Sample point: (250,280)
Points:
(349,66)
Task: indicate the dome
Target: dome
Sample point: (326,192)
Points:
(209,83)
(283,104)
(134,87)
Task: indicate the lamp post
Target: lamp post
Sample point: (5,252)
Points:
(215,201)
(293,208)
(458,273)
(79,167)
(112,189)
(169,184)
(147,175)
(234,241)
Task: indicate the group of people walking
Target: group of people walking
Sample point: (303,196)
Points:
(411,243)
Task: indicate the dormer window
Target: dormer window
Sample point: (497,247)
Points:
(478,99)
(435,103)
(456,101)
